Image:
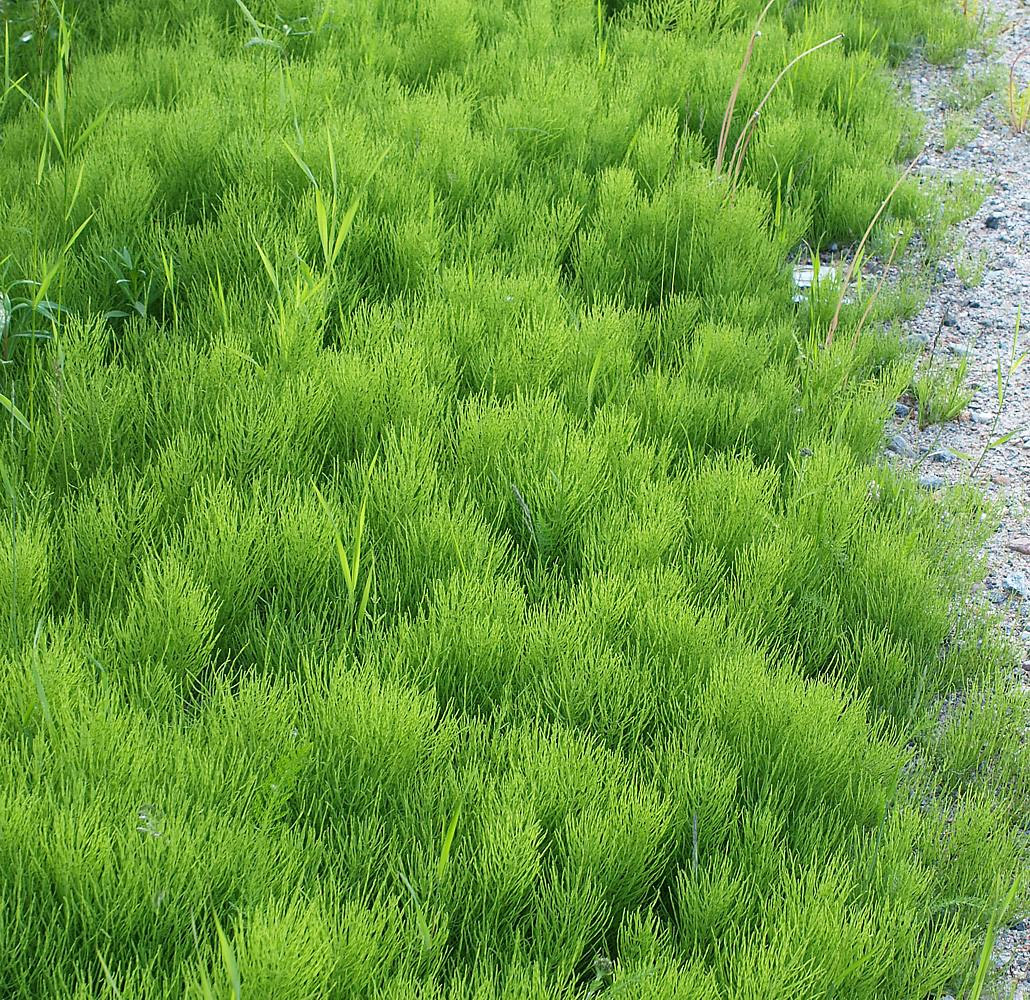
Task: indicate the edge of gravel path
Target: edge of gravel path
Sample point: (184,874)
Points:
(977,294)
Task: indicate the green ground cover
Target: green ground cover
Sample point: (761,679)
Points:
(441,559)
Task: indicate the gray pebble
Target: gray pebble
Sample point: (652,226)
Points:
(899,446)
(959,350)
(931,482)
(948,319)
(1017,583)
(901,410)
(992,222)
(917,340)
(944,455)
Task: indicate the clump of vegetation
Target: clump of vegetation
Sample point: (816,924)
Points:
(941,393)
(960,127)
(441,559)
(972,88)
(970,267)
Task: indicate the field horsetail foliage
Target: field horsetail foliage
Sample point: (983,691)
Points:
(442,559)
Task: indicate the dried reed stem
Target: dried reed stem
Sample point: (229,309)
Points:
(727,118)
(876,293)
(744,137)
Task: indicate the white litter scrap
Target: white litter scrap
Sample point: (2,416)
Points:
(807,275)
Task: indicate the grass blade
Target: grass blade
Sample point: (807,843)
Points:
(447,843)
(9,405)
(232,968)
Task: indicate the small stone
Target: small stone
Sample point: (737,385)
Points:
(982,418)
(834,248)
(917,340)
(943,455)
(972,304)
(901,410)
(959,350)
(1021,545)
(948,319)
(1020,925)
(1017,583)
(899,446)
(995,597)
(992,222)
(931,482)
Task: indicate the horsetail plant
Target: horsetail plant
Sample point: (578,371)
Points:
(485,589)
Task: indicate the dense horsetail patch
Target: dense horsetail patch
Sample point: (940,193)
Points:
(442,559)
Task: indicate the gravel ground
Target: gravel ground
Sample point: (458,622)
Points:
(971,317)
(975,320)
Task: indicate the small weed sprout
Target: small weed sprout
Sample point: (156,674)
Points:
(1018,99)
(135,284)
(203,987)
(860,326)
(1003,379)
(27,312)
(969,268)
(941,395)
(274,38)
(971,89)
(602,36)
(959,128)
(358,578)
